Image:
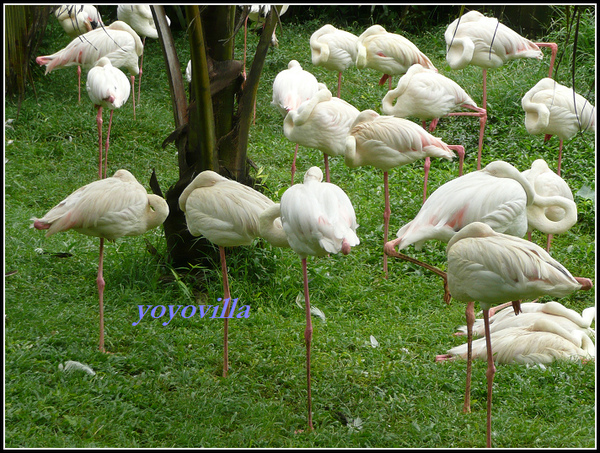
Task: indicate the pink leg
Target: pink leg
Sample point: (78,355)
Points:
(79,83)
(482,124)
(133,91)
(226,296)
(548,242)
(339,83)
(433,124)
(308,339)
(390,83)
(460,150)
(482,114)
(326,159)
(99,123)
(141,64)
(106,146)
(294,164)
(491,370)
(386,220)
(470,315)
(554,48)
(560,147)
(426,166)
(101,284)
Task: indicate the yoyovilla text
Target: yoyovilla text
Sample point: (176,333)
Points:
(190,310)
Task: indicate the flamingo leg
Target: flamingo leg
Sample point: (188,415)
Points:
(326,160)
(482,114)
(99,123)
(339,84)
(426,166)
(554,48)
(560,147)
(79,83)
(133,91)
(470,315)
(491,370)
(548,242)
(386,219)
(100,282)
(226,299)
(482,123)
(308,339)
(460,150)
(141,64)
(294,164)
(106,146)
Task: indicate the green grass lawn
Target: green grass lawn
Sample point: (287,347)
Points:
(161,386)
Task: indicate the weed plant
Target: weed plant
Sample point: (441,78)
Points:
(160,386)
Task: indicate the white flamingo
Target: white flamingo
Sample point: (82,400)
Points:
(494,268)
(226,213)
(78,19)
(108,208)
(553,109)
(318,219)
(334,49)
(109,88)
(322,122)
(386,142)
(389,53)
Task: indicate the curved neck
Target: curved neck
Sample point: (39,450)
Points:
(537,218)
(158,212)
(270,226)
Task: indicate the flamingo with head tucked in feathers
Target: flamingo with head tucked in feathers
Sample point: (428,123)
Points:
(108,208)
(483,41)
(322,122)
(78,19)
(389,53)
(553,109)
(334,49)
(109,88)
(317,219)
(494,268)
(386,142)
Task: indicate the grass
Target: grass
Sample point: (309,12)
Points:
(161,385)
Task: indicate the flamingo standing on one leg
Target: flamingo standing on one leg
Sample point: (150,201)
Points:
(334,49)
(226,212)
(109,88)
(386,142)
(553,109)
(119,42)
(318,219)
(322,122)
(389,53)
(108,208)
(493,268)
(292,87)
(139,17)
(428,95)
(483,41)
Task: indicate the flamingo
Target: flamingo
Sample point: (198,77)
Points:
(118,42)
(139,17)
(553,109)
(107,208)
(493,268)
(541,340)
(226,213)
(259,13)
(386,142)
(429,95)
(334,49)
(317,219)
(109,88)
(291,87)
(502,317)
(78,19)
(389,53)
(322,122)
(547,183)
(483,41)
